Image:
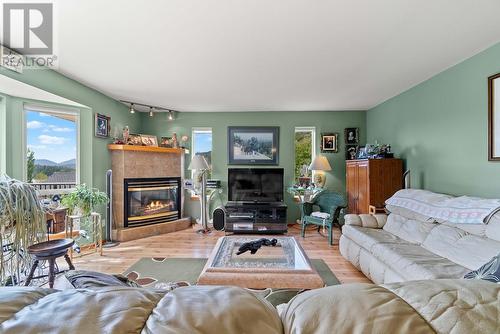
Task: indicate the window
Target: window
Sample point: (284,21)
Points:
(3,137)
(202,144)
(305,150)
(51,147)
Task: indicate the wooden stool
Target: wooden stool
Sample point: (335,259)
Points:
(50,251)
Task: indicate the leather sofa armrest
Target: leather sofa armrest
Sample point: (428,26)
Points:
(364,220)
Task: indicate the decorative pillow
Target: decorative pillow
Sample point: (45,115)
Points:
(84,279)
(489,271)
(322,215)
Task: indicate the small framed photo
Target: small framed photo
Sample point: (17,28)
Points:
(351,152)
(329,142)
(351,136)
(102,125)
(166,142)
(149,140)
(134,139)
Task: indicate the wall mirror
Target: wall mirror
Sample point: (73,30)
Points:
(494,117)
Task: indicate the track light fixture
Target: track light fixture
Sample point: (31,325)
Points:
(152,109)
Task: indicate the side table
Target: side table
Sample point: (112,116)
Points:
(96,229)
(50,251)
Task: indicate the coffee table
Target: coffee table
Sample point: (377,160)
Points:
(283,266)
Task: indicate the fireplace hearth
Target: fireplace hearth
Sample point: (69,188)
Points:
(139,212)
(151,200)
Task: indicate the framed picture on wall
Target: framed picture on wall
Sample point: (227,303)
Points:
(252,145)
(494,117)
(102,125)
(351,152)
(329,142)
(351,136)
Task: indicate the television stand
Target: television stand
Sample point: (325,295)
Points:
(255,217)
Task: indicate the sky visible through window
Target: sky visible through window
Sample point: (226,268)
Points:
(53,140)
(202,145)
(50,137)
(203,142)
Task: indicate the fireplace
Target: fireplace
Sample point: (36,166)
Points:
(151,200)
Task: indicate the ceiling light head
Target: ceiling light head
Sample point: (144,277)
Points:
(132,110)
(150,111)
(170,115)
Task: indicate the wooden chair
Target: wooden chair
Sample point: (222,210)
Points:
(327,202)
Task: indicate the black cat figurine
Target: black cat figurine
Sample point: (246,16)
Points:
(254,246)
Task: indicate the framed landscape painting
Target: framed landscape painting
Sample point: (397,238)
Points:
(494,117)
(251,145)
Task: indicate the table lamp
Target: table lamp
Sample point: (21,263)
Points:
(199,164)
(320,164)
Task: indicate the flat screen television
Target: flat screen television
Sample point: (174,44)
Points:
(255,184)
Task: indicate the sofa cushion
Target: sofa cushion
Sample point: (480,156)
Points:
(196,309)
(492,230)
(411,230)
(440,306)
(369,237)
(489,271)
(351,308)
(453,306)
(467,250)
(414,262)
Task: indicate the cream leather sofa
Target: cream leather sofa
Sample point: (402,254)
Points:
(410,245)
(441,306)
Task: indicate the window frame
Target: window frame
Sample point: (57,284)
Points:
(193,146)
(3,135)
(50,110)
(312,130)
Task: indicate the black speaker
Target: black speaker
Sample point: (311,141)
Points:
(219,218)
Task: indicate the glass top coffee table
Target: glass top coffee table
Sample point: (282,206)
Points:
(282,266)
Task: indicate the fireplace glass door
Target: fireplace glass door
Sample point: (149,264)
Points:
(151,201)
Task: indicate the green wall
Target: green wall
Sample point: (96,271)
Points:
(326,121)
(95,159)
(440,128)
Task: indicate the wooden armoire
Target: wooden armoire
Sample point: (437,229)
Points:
(371,182)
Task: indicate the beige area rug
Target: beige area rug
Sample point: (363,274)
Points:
(174,272)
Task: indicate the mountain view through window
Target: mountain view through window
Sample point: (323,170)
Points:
(51,147)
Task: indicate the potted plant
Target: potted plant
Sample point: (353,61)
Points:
(22,224)
(83,200)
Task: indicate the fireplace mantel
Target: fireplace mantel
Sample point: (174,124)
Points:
(116,147)
(132,162)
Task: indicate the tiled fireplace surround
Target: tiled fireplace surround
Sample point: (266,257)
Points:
(143,162)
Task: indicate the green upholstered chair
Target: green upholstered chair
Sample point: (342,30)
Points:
(327,202)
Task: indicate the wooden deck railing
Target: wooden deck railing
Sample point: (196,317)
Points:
(51,189)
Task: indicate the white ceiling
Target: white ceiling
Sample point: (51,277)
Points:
(257,55)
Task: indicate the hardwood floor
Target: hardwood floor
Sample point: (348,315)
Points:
(187,243)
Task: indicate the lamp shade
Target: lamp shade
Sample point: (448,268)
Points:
(320,162)
(198,162)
